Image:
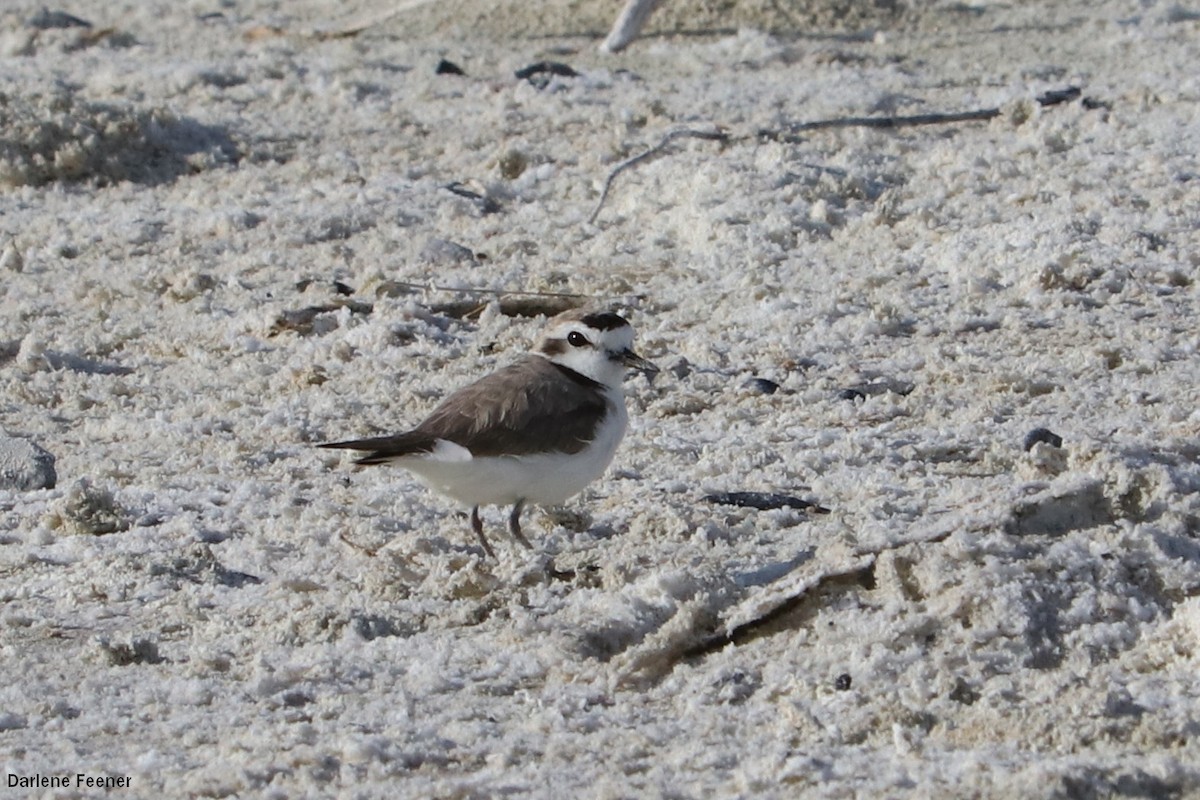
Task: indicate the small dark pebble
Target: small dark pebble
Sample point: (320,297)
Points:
(762,385)
(964,693)
(486,205)
(512,164)
(864,390)
(540,74)
(47,19)
(546,67)
(556,574)
(681,368)
(296,698)
(233,578)
(463,191)
(25,465)
(842,683)
(1042,435)
(342,289)
(1056,96)
(445,67)
(763,501)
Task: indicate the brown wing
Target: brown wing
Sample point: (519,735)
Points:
(530,406)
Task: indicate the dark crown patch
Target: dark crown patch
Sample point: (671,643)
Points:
(606,321)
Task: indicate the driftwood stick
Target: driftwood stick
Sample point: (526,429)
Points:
(657,150)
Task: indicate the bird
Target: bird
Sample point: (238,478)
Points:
(535,431)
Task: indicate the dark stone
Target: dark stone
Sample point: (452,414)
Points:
(47,19)
(864,390)
(25,466)
(1042,435)
(486,205)
(546,68)
(541,73)
(762,385)
(763,501)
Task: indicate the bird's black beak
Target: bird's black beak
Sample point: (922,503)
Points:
(634,361)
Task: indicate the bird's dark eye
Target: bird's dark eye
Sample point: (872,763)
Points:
(576,339)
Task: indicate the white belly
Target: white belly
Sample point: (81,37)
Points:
(503,480)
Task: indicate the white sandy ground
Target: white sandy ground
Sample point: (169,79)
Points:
(263,620)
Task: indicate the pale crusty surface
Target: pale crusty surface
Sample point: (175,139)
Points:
(211,606)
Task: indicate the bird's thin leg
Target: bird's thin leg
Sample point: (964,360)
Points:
(477,526)
(627,26)
(514,524)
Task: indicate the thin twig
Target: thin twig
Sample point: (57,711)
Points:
(893,122)
(790,132)
(786,134)
(658,149)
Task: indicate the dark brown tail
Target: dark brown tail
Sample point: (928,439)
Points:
(382,449)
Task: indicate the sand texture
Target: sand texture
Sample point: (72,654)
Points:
(232,230)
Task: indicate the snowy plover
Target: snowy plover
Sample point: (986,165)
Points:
(536,431)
